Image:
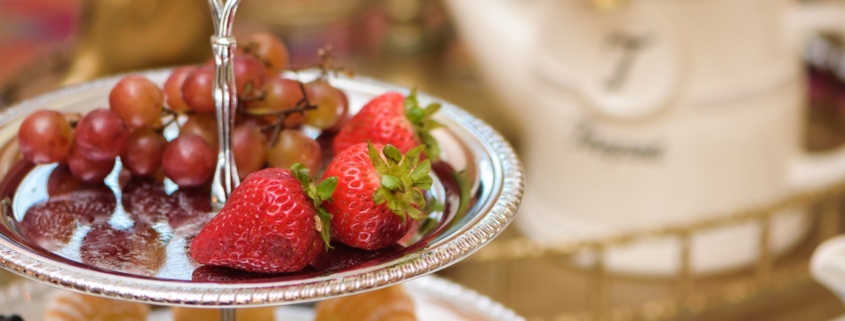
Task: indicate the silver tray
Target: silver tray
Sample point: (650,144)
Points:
(435,299)
(468,144)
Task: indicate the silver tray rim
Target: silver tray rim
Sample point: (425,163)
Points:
(505,163)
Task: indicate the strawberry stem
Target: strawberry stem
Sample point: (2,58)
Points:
(317,193)
(403,180)
(423,123)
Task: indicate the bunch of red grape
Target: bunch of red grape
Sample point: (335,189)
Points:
(271,113)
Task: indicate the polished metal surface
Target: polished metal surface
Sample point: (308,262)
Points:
(468,144)
(223,45)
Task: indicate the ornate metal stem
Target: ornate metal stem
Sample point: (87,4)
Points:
(227,314)
(225,97)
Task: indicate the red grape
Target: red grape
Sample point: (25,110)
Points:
(173,89)
(269,49)
(250,148)
(279,94)
(143,152)
(249,76)
(138,101)
(344,114)
(45,137)
(188,161)
(88,170)
(198,89)
(101,135)
(292,147)
(328,111)
(202,125)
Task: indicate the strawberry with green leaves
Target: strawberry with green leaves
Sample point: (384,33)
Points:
(378,189)
(392,119)
(272,223)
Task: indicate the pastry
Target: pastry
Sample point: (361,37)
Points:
(390,304)
(241,314)
(72,306)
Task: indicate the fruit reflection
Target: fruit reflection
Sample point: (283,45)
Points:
(191,211)
(145,200)
(51,224)
(136,250)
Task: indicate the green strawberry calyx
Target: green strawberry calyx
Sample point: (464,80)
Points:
(423,123)
(317,193)
(403,180)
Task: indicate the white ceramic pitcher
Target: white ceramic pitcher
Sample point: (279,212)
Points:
(655,113)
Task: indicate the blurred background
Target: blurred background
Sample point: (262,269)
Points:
(49,43)
(683,156)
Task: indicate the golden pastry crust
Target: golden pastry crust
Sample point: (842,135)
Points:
(390,304)
(71,306)
(241,314)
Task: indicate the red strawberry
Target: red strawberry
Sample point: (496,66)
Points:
(391,119)
(269,225)
(375,192)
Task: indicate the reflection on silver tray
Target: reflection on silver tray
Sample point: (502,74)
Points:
(468,145)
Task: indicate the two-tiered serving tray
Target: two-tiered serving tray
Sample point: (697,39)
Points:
(493,190)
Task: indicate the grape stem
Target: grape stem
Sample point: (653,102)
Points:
(72,118)
(328,65)
(257,97)
(173,117)
(251,49)
(302,106)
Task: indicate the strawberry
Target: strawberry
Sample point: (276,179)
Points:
(272,223)
(377,189)
(391,119)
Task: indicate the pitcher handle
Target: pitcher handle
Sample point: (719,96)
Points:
(817,170)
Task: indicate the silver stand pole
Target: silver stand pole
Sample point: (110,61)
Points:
(225,98)
(227,314)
